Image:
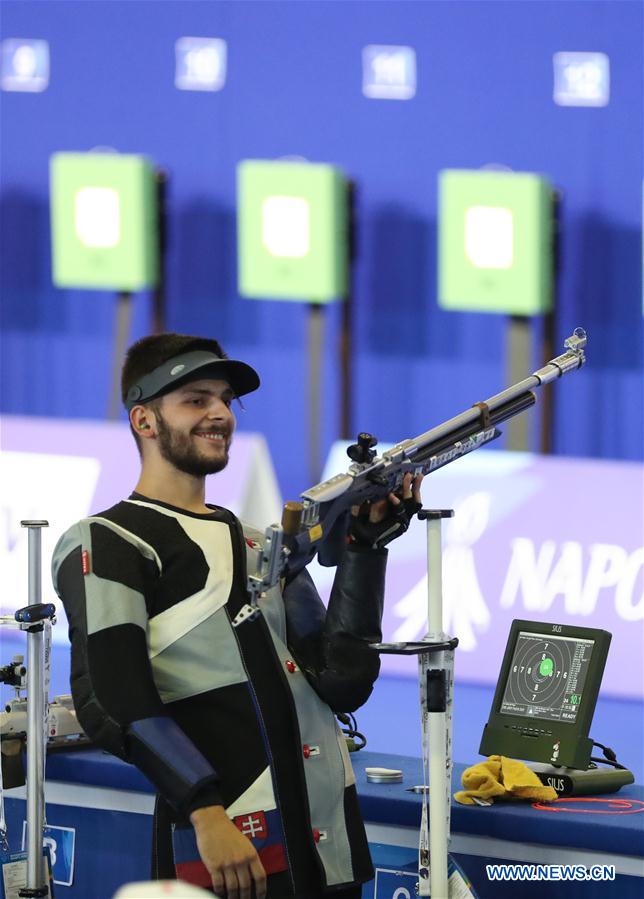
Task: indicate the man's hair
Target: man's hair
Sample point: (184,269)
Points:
(149,352)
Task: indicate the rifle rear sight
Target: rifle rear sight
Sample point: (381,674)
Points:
(362,451)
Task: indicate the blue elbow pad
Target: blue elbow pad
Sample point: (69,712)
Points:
(162,751)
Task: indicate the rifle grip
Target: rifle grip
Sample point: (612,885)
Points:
(292,518)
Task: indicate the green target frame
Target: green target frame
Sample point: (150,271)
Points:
(495,242)
(104,221)
(292,231)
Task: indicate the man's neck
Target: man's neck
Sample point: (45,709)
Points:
(165,483)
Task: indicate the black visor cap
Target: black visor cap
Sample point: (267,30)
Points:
(192,366)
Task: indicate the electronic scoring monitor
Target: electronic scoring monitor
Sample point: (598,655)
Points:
(545,697)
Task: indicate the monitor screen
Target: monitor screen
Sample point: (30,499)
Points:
(547,677)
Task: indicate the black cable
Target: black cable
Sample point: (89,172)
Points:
(610,757)
(351,732)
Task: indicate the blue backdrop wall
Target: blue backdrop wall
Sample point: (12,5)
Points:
(294,88)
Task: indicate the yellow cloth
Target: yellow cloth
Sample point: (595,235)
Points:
(502,778)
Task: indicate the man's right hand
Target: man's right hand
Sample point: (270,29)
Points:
(229,856)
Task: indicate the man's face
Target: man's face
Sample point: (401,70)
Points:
(195,425)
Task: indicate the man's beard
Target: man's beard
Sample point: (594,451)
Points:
(179,449)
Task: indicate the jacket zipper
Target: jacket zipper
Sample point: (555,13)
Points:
(242,544)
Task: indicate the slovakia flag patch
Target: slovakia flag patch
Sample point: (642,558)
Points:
(263,829)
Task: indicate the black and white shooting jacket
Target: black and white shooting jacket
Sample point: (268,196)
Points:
(215,707)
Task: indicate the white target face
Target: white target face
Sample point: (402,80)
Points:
(546,677)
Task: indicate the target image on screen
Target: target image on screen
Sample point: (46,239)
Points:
(546,693)
(546,677)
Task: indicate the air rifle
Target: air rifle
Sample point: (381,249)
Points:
(318,524)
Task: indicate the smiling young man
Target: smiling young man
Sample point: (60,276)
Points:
(230,715)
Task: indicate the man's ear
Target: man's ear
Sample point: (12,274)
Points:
(143,421)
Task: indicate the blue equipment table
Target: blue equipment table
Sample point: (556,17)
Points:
(99,810)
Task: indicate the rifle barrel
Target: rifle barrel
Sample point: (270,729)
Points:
(572,359)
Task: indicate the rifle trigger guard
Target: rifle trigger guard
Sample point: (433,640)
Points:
(485,414)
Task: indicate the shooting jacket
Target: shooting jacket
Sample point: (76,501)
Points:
(216,706)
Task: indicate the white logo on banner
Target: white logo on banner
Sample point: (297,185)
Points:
(39,486)
(576,573)
(464,608)
(536,575)
(534,579)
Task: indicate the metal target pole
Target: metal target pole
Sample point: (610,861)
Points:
(36,876)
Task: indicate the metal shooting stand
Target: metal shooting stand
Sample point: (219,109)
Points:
(36,619)
(436,681)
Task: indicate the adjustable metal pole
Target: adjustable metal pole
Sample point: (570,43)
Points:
(435,574)
(36,878)
(437,711)
(436,679)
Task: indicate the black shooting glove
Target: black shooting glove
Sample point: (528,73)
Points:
(376,534)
